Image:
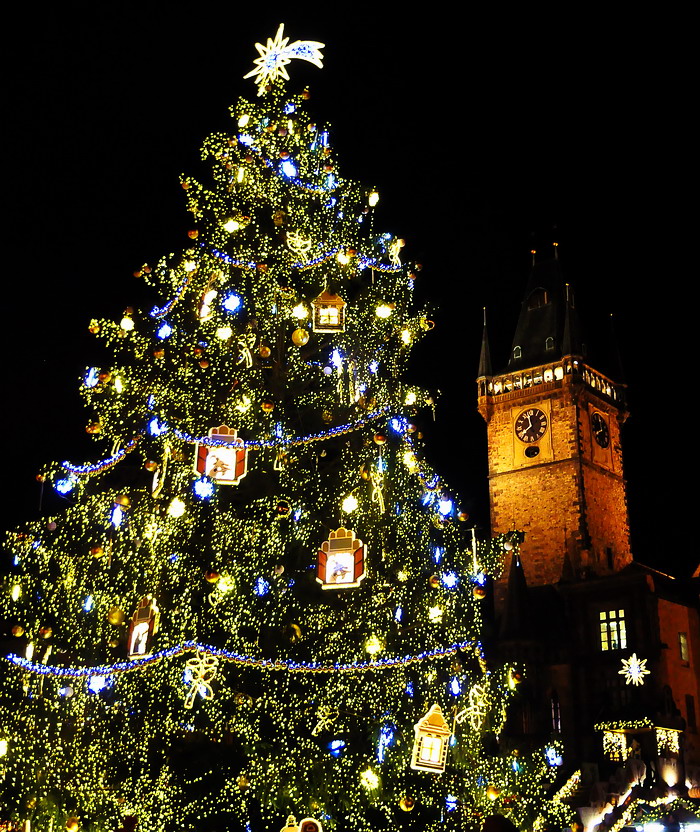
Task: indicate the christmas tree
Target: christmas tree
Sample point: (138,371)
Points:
(261,608)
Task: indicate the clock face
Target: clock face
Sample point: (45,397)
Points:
(531,425)
(599,427)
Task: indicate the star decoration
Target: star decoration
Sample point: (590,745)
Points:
(299,244)
(634,670)
(274,57)
(199,672)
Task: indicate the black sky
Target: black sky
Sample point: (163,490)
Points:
(486,136)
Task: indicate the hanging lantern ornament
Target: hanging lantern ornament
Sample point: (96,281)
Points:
(328,312)
(341,561)
(143,627)
(432,738)
(225,463)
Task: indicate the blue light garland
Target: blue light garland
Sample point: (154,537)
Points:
(238,658)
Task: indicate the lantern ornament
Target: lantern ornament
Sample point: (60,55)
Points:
(430,746)
(143,627)
(226,464)
(329,312)
(341,560)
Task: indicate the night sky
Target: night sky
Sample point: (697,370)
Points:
(485,138)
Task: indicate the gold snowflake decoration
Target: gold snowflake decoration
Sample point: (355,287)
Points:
(199,673)
(477,709)
(299,244)
(634,670)
(274,57)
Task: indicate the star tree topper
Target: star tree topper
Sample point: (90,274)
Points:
(634,670)
(273,60)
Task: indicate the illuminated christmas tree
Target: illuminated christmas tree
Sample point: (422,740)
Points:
(261,606)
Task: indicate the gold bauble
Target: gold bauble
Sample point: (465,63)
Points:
(122,500)
(407,803)
(267,406)
(17,630)
(116,616)
(73,824)
(264,351)
(211,576)
(242,782)
(492,792)
(97,551)
(380,439)
(434,581)
(479,592)
(300,337)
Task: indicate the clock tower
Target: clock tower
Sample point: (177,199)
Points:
(555,459)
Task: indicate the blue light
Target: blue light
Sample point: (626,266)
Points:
(386,738)
(279,430)
(116,516)
(288,168)
(374,366)
(336,747)
(427,498)
(382,467)
(64,486)
(324,138)
(245,139)
(515,765)
(398,615)
(450,579)
(164,331)
(203,489)
(337,359)
(480,578)
(172,558)
(398,424)
(553,756)
(15,560)
(92,377)
(289,108)
(330,182)
(232,302)
(97,683)
(88,603)
(455,686)
(156,427)
(409,689)
(437,552)
(261,587)
(450,803)
(297,514)
(151,403)
(445,506)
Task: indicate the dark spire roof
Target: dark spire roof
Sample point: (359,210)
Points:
(485,357)
(548,326)
(515,623)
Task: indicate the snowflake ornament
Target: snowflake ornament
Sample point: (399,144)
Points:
(299,244)
(274,57)
(634,670)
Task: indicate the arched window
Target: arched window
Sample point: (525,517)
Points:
(517,352)
(549,343)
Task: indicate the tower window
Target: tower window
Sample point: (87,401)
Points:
(613,633)
(517,352)
(537,299)
(683,646)
(549,343)
(556,713)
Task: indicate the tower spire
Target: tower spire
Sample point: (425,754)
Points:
(485,356)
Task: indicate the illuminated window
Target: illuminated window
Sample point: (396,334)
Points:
(613,633)
(549,343)
(517,352)
(683,646)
